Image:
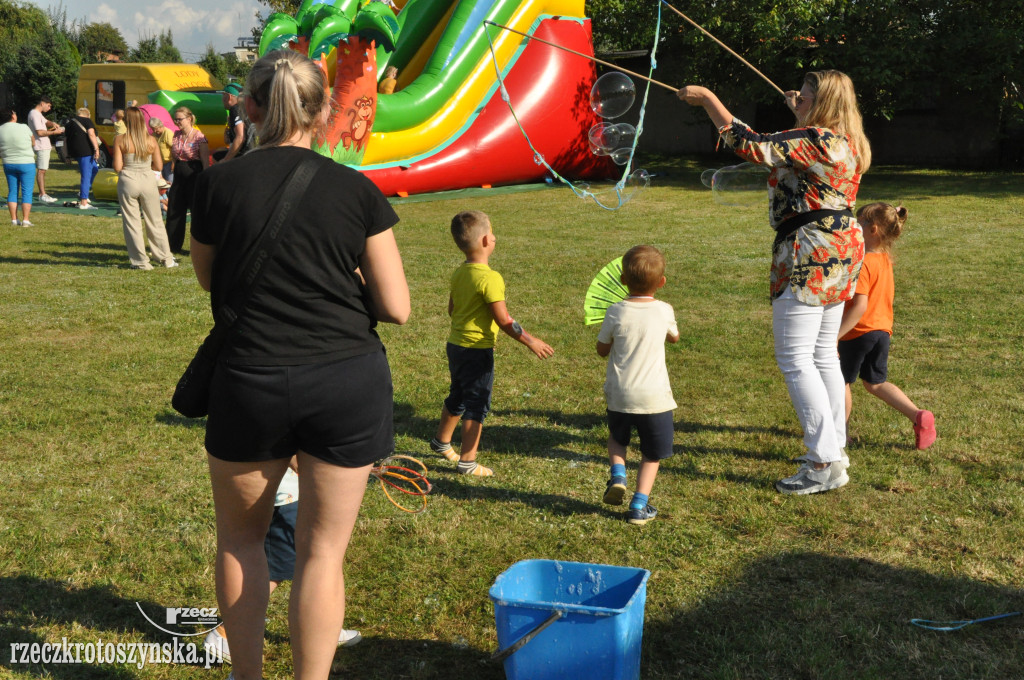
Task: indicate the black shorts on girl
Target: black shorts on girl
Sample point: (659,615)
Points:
(338,411)
(472,376)
(867,356)
(654,429)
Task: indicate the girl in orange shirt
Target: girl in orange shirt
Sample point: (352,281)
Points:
(867,321)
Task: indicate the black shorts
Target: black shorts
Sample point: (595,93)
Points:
(867,356)
(280,542)
(654,429)
(339,411)
(472,376)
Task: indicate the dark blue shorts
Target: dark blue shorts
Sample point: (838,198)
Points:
(339,411)
(280,542)
(867,356)
(654,429)
(472,376)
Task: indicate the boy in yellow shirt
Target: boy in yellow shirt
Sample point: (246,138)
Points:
(477,308)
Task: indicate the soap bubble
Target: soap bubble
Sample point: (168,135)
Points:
(627,134)
(621,156)
(605,137)
(612,95)
(743,185)
(637,181)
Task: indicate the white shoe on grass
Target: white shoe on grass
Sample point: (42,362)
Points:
(216,645)
(807,480)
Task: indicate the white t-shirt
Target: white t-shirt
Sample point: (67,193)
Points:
(37,122)
(288,489)
(637,379)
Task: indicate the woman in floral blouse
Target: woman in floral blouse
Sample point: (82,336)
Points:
(191,155)
(816,256)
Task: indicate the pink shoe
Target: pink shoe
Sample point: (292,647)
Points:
(924,429)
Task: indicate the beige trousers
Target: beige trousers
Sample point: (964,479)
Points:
(140,200)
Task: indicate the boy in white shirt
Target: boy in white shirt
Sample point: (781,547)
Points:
(636,387)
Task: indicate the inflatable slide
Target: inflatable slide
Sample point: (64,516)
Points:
(446,125)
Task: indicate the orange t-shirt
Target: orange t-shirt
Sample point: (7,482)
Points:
(875,281)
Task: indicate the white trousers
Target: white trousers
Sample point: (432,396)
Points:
(805,350)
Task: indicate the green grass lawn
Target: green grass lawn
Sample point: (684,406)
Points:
(108,501)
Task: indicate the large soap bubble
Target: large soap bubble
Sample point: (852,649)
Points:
(605,138)
(743,185)
(612,95)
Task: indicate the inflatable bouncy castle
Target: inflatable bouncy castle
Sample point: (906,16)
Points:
(446,125)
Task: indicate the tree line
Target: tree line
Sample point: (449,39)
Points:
(903,55)
(42,52)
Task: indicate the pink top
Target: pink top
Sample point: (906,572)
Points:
(187,148)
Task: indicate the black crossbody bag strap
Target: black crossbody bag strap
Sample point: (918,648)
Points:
(261,255)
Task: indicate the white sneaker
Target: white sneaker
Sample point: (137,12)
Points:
(171,263)
(349,638)
(143,267)
(86,206)
(25,223)
(217,645)
(15,223)
(46,198)
(807,480)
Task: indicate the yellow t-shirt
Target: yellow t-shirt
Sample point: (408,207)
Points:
(165,140)
(474,287)
(120,127)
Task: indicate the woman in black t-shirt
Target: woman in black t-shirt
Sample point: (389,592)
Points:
(303,371)
(84,147)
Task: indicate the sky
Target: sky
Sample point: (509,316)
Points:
(194,23)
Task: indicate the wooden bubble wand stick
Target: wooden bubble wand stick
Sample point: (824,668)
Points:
(726,47)
(585,56)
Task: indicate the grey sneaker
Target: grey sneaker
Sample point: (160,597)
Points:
(641,516)
(807,480)
(615,491)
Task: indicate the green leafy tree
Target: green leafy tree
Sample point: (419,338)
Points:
(36,59)
(224,69)
(156,50)
(99,39)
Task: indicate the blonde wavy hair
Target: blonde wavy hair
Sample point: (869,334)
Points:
(290,92)
(835,107)
(135,120)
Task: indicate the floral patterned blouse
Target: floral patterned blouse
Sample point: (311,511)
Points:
(811,169)
(187,148)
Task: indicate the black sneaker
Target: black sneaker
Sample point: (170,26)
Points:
(641,516)
(615,491)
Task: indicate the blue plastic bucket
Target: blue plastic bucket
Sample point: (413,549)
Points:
(594,615)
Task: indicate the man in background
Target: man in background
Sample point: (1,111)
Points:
(42,130)
(234,133)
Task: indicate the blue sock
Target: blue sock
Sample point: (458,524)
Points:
(639,501)
(618,470)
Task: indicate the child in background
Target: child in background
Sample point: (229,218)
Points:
(477,308)
(120,127)
(867,321)
(280,548)
(636,386)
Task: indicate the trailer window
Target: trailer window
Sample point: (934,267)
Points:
(109,98)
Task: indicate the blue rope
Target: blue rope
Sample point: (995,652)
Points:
(580,188)
(947,626)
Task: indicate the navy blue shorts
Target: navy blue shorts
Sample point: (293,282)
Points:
(472,376)
(867,356)
(280,542)
(339,411)
(654,429)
